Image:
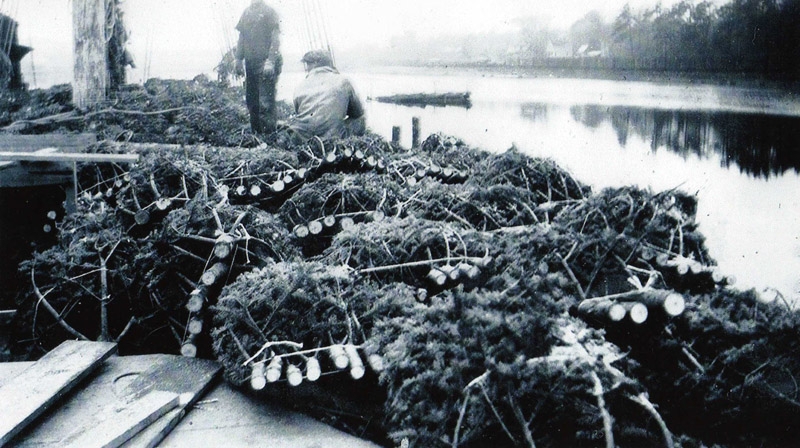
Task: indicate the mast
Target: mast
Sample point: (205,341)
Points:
(90,70)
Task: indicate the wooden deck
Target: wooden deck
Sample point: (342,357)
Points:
(15,173)
(142,401)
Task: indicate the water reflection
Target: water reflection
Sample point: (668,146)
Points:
(706,140)
(534,111)
(759,145)
(591,116)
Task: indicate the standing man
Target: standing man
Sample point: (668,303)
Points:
(258,58)
(325,103)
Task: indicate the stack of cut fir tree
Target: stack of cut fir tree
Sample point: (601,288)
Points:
(439,296)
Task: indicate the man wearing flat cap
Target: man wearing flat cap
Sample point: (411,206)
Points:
(325,103)
(259,59)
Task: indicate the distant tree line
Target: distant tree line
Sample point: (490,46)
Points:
(757,37)
(744,36)
(749,37)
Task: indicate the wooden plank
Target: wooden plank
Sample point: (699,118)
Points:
(227,417)
(188,377)
(34,142)
(119,380)
(29,394)
(9,370)
(118,423)
(47,165)
(67,157)
(223,417)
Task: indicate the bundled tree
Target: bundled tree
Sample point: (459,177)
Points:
(148,250)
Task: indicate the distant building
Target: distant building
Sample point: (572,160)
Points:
(559,49)
(592,51)
(517,54)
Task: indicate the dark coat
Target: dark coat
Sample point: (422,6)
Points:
(256,28)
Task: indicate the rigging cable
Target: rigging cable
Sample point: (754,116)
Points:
(310,26)
(309,42)
(317,27)
(11,23)
(323,29)
(8,37)
(225,30)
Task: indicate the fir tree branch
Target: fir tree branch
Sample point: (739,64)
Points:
(461,414)
(521,419)
(571,275)
(642,400)
(497,414)
(53,312)
(133,320)
(601,404)
(105,297)
(239,344)
(411,264)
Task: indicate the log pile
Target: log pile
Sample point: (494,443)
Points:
(441,296)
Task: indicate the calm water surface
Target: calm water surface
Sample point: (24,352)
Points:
(737,149)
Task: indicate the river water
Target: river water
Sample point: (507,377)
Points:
(737,149)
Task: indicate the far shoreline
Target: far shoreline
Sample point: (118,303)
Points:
(742,80)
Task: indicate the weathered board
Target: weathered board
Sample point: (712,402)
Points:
(35,142)
(42,168)
(15,174)
(51,155)
(224,416)
(118,422)
(119,381)
(29,394)
(230,417)
(188,377)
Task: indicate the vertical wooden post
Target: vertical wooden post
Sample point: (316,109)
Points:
(396,135)
(90,70)
(415,132)
(71,201)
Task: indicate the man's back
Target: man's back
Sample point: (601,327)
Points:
(322,101)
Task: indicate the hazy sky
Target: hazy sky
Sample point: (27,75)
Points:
(191,35)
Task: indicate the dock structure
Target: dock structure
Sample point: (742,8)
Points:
(38,186)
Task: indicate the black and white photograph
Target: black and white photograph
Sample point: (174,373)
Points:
(379,223)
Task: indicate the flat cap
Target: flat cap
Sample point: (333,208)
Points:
(319,57)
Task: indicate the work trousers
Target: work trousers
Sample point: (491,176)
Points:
(260,97)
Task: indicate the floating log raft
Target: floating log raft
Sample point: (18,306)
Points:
(459,99)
